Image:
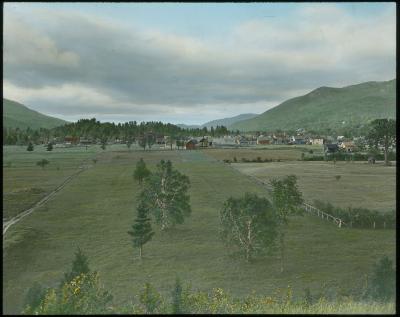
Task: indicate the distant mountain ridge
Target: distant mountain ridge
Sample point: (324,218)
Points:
(17,115)
(328,107)
(226,122)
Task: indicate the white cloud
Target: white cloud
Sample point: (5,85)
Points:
(74,64)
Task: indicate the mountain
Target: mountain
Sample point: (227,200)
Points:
(227,122)
(188,126)
(16,115)
(328,107)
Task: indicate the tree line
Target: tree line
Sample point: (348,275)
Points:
(95,130)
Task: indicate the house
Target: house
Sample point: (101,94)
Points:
(280,138)
(297,140)
(204,142)
(317,141)
(85,141)
(264,139)
(224,141)
(331,148)
(348,146)
(71,140)
(191,144)
(340,138)
(160,139)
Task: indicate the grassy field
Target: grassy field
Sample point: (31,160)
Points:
(96,210)
(360,184)
(25,183)
(274,152)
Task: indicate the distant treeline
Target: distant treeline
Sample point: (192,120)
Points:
(360,217)
(343,156)
(93,129)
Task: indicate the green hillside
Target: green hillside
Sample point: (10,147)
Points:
(328,107)
(16,115)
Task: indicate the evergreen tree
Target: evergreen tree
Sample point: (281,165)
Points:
(177,305)
(165,195)
(49,147)
(30,147)
(141,171)
(141,230)
(79,265)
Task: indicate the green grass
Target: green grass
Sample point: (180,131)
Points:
(360,185)
(25,183)
(96,210)
(274,152)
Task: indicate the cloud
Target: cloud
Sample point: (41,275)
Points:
(74,64)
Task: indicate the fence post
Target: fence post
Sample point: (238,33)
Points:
(374,224)
(340,223)
(384,225)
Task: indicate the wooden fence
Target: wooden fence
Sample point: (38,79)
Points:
(307,207)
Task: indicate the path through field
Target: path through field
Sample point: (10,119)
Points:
(27,212)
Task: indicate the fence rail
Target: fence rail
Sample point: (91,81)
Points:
(307,207)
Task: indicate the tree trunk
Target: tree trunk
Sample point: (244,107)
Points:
(386,153)
(248,241)
(282,251)
(140,251)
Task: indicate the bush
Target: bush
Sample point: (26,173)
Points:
(30,147)
(360,217)
(235,159)
(34,296)
(382,285)
(42,163)
(337,177)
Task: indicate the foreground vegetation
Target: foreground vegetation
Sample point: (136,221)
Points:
(81,292)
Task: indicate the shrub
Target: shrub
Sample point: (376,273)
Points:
(150,299)
(42,163)
(34,296)
(337,177)
(235,159)
(382,285)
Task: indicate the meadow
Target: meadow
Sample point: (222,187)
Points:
(360,184)
(271,152)
(96,210)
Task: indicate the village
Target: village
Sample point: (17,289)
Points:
(330,144)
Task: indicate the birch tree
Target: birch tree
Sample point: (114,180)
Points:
(165,194)
(248,223)
(286,199)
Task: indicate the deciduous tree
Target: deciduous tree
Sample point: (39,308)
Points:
(286,199)
(249,223)
(165,194)
(382,133)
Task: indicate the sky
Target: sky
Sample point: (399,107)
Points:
(188,63)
